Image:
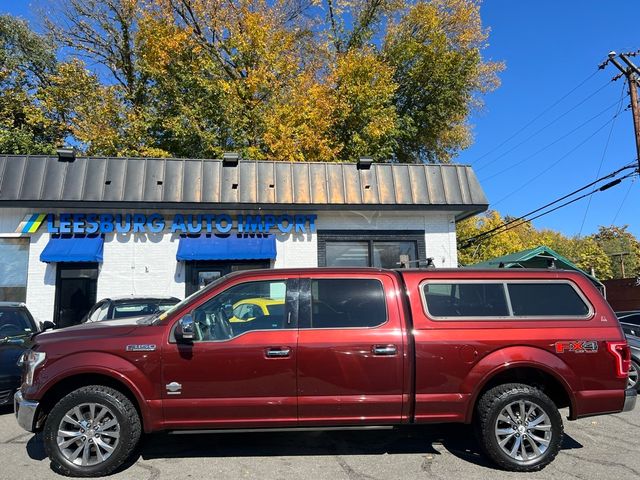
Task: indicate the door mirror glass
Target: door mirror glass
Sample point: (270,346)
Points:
(184,329)
(47,325)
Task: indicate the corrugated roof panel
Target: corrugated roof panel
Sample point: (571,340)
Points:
(114,180)
(134,182)
(418,181)
(13,178)
(402,184)
(172,185)
(192,181)
(352,186)
(94,183)
(284,186)
(452,189)
(335,184)
(153,180)
(436,186)
(33,174)
(248,182)
(55,172)
(266,183)
(386,187)
(210,182)
(319,184)
(73,189)
(301,183)
(229,185)
(369,185)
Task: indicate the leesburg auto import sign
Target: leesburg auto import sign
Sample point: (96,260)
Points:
(94,223)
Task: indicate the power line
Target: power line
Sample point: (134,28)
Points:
(537,152)
(522,217)
(604,153)
(584,100)
(601,189)
(624,199)
(530,122)
(532,179)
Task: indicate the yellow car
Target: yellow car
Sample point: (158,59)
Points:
(250,308)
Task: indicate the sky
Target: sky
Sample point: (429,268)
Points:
(554,124)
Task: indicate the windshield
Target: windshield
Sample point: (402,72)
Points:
(140,308)
(191,298)
(14,322)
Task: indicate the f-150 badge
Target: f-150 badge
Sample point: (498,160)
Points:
(141,348)
(577,346)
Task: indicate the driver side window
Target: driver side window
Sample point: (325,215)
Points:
(261,306)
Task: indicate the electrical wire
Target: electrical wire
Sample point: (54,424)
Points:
(549,145)
(624,199)
(604,153)
(543,172)
(601,189)
(584,100)
(533,120)
(564,197)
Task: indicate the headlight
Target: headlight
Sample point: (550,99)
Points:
(32,360)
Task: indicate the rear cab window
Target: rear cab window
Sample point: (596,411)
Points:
(503,299)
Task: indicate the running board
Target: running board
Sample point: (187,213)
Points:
(288,429)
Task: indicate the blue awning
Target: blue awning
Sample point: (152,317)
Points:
(229,248)
(73,249)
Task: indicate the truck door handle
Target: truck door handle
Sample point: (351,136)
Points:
(384,349)
(277,352)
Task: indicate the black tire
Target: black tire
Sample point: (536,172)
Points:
(489,408)
(124,411)
(634,366)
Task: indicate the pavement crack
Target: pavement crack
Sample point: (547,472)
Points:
(351,473)
(606,463)
(154,473)
(625,421)
(17,437)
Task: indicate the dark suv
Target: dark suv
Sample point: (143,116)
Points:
(16,327)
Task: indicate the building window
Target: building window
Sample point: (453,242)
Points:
(14,263)
(370,249)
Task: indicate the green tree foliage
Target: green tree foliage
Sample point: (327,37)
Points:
(621,246)
(588,253)
(321,80)
(27,61)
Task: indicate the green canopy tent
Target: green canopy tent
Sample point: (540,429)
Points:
(539,257)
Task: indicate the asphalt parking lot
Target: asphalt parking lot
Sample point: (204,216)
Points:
(606,447)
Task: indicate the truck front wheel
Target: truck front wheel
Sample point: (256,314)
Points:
(519,427)
(91,432)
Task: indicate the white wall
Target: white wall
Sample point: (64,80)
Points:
(145,264)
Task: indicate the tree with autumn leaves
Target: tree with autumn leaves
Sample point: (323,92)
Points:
(597,251)
(292,80)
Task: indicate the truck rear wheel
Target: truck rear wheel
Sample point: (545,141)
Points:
(91,432)
(519,427)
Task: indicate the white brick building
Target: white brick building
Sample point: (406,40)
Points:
(56,217)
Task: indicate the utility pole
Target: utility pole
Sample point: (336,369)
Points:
(632,73)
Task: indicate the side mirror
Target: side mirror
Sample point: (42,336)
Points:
(47,325)
(184,331)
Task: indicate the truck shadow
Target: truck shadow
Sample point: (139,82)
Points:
(458,440)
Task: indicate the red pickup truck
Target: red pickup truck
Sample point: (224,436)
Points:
(503,349)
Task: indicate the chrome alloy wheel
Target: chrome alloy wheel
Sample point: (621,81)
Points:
(523,431)
(633,376)
(88,434)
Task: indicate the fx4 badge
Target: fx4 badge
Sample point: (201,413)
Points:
(577,346)
(141,348)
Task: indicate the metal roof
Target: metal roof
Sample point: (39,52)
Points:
(538,257)
(183,182)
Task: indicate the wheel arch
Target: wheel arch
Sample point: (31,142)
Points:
(76,380)
(528,373)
